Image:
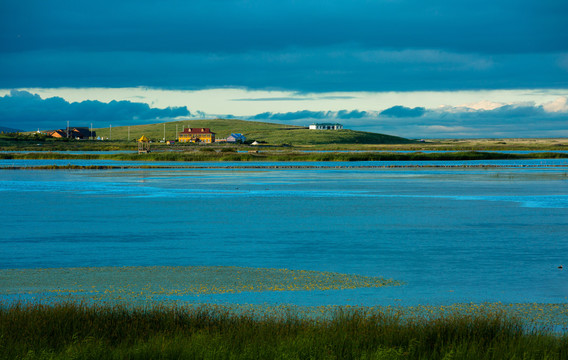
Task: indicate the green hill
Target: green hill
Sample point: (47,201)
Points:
(8,130)
(273,134)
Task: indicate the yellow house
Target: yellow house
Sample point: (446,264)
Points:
(203,135)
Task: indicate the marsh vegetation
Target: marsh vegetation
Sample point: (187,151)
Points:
(71,331)
(212,155)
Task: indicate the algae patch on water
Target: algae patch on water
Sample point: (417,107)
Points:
(155,282)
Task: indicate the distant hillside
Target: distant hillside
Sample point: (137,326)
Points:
(9,130)
(274,134)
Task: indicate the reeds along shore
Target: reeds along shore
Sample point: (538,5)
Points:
(65,331)
(283,156)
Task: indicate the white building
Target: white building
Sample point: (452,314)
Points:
(326,126)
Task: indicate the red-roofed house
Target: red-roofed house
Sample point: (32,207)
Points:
(203,135)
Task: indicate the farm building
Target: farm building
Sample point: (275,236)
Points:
(78,133)
(326,126)
(57,133)
(234,138)
(203,135)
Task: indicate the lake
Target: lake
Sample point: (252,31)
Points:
(452,235)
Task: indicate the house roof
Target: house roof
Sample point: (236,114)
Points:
(197,131)
(84,131)
(55,133)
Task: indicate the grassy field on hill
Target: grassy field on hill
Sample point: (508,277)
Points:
(273,134)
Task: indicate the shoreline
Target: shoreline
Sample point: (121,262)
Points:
(287,157)
(195,287)
(261,167)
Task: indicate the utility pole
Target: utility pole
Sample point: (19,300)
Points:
(164,131)
(91,133)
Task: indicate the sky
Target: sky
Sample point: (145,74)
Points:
(419,69)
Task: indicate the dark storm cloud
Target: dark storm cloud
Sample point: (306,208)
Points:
(354,114)
(235,26)
(402,111)
(309,70)
(295,115)
(311,45)
(26,111)
(506,121)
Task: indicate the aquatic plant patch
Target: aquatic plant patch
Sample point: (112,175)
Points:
(185,286)
(155,282)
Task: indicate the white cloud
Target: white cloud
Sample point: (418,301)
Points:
(483,105)
(558,105)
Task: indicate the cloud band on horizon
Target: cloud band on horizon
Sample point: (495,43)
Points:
(29,111)
(504,121)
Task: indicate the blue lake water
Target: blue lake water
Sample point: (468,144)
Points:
(452,235)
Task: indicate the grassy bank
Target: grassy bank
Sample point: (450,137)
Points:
(66,331)
(35,142)
(207,154)
(348,140)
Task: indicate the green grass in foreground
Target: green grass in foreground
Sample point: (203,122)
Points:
(72,331)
